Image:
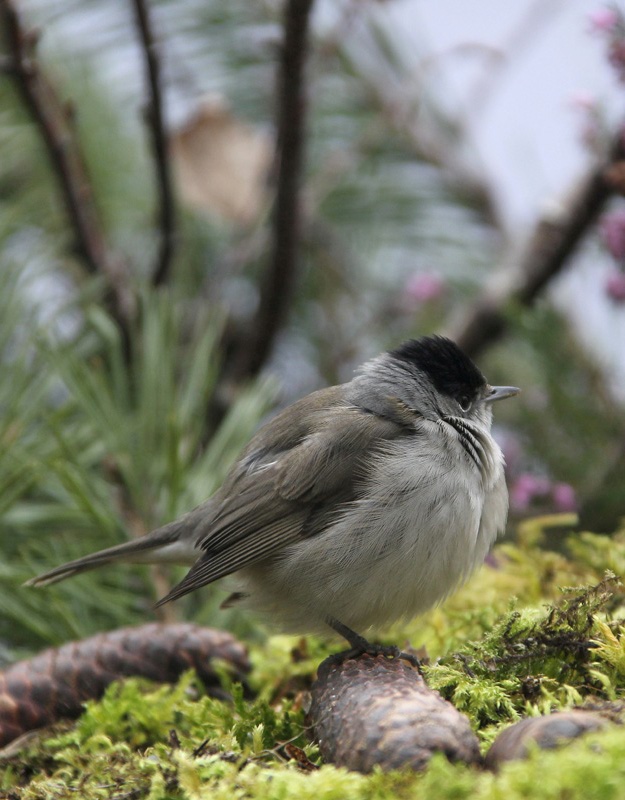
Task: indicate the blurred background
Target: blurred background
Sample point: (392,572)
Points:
(210,209)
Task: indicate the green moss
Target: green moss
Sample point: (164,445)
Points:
(512,642)
(534,660)
(589,768)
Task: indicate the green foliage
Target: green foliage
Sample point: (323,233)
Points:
(96,449)
(531,657)
(601,553)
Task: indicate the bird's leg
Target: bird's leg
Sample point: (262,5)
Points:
(359,645)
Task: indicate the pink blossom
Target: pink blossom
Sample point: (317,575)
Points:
(563,496)
(583,101)
(526,488)
(520,498)
(603,19)
(612,231)
(424,287)
(615,286)
(610,23)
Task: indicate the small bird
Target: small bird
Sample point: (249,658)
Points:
(356,506)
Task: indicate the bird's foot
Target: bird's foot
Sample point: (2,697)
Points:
(360,646)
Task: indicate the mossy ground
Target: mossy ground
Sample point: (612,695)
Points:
(514,642)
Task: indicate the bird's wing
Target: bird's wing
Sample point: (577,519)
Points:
(287,495)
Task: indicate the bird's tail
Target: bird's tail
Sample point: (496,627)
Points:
(164,545)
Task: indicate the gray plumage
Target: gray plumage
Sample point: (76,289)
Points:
(362,503)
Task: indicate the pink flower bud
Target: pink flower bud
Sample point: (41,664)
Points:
(603,19)
(563,496)
(615,286)
(424,287)
(612,232)
(526,488)
(520,498)
(583,101)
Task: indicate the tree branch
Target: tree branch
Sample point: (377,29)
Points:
(54,119)
(547,253)
(167,210)
(55,123)
(278,283)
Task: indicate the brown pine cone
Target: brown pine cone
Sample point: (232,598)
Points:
(373,711)
(54,684)
(545,733)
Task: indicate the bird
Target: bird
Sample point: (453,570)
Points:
(356,506)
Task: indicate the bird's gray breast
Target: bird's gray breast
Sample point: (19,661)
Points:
(476,449)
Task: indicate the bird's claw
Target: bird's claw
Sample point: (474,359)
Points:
(388,651)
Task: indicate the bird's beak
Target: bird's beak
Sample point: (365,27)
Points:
(500,393)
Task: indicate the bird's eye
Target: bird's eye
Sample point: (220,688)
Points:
(465,403)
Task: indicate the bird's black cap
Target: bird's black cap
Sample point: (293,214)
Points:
(451,371)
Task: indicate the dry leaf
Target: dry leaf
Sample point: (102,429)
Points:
(298,755)
(221,164)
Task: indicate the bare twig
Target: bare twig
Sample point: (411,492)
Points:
(167,210)
(54,119)
(550,247)
(278,282)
